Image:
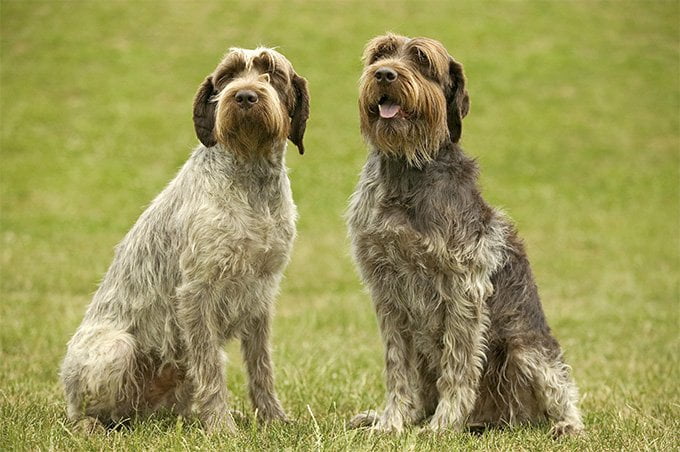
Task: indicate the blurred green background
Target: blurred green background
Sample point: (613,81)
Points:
(575,121)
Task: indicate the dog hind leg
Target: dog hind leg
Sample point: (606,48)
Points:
(101,378)
(554,390)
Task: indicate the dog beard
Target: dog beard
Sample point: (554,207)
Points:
(255,130)
(408,120)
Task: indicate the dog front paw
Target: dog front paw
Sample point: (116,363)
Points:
(273,414)
(390,422)
(445,419)
(218,422)
(566,428)
(89,426)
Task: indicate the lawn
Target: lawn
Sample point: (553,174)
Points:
(575,121)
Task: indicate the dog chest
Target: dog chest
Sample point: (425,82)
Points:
(267,244)
(389,239)
(231,237)
(423,228)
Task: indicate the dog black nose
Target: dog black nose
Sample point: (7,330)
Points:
(246,98)
(385,75)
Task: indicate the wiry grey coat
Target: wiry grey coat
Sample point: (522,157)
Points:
(201,265)
(466,340)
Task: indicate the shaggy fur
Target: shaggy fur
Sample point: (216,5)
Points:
(201,265)
(466,340)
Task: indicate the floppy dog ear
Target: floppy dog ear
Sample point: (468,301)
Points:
(457,100)
(300,112)
(204,113)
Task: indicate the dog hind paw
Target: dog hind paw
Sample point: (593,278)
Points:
(368,418)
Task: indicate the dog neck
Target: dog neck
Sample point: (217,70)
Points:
(416,159)
(415,153)
(256,159)
(400,173)
(256,169)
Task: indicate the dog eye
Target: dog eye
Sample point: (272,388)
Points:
(381,53)
(223,79)
(421,57)
(278,74)
(422,60)
(375,57)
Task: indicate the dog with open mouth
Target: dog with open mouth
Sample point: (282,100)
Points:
(466,340)
(401,106)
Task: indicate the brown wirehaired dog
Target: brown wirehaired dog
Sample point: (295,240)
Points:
(202,264)
(466,340)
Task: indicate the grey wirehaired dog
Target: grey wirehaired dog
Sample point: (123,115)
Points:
(202,264)
(466,341)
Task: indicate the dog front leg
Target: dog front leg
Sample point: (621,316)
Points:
(462,360)
(257,355)
(401,408)
(197,318)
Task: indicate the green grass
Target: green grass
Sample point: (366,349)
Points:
(575,122)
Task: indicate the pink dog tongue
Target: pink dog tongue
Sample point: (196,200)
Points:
(388,110)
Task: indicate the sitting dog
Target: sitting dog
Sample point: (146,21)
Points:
(466,341)
(202,264)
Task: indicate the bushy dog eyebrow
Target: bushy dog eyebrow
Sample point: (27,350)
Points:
(381,47)
(425,52)
(232,64)
(266,62)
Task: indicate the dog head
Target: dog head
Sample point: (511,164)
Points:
(253,100)
(412,96)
